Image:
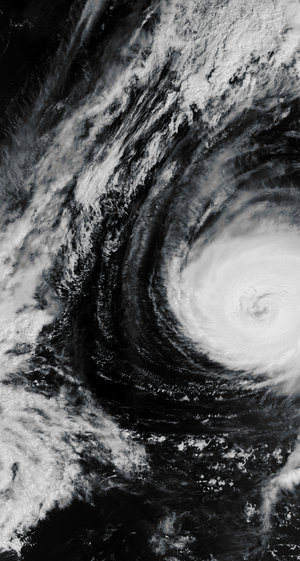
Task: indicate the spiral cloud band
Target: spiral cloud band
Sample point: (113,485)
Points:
(150,287)
(239,300)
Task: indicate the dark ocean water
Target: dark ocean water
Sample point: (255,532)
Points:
(149,301)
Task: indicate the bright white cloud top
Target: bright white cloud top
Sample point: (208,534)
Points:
(238,300)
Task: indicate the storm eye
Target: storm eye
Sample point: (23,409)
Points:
(257,307)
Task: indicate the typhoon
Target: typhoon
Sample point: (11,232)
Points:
(239,296)
(150,283)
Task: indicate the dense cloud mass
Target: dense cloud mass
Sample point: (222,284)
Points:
(150,280)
